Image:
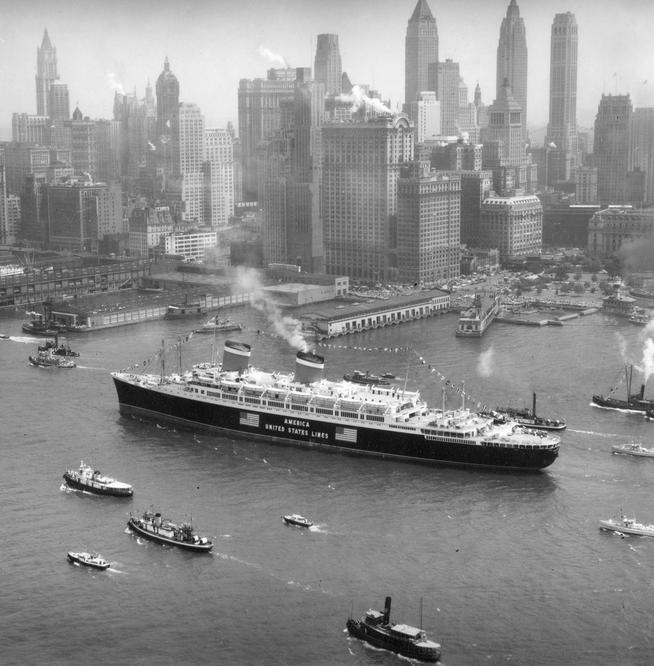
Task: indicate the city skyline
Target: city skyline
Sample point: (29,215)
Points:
(94,62)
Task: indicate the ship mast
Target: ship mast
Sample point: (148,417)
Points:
(179,354)
(163,361)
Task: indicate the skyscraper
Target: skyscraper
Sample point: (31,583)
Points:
(361,165)
(421,51)
(642,148)
(425,114)
(46,74)
(562,127)
(191,162)
(167,88)
(611,148)
(448,96)
(512,59)
(220,176)
(327,65)
(259,117)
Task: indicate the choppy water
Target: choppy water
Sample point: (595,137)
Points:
(512,567)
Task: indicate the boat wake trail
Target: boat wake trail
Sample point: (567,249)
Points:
(595,434)
(88,367)
(25,339)
(318,529)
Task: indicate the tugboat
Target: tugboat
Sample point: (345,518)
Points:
(297,520)
(156,528)
(215,325)
(92,560)
(87,478)
(528,418)
(57,349)
(366,377)
(47,359)
(635,402)
(375,628)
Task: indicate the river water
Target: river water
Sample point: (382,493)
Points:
(511,567)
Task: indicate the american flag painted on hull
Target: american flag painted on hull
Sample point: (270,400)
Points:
(249,419)
(346,434)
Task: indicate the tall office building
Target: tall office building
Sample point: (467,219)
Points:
(26,128)
(260,104)
(561,138)
(219,172)
(428,224)
(642,148)
(512,59)
(448,96)
(361,165)
(327,64)
(167,127)
(191,162)
(425,114)
(421,52)
(46,74)
(59,104)
(513,225)
(611,148)
(83,143)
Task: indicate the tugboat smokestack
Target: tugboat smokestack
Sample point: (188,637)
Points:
(236,356)
(642,391)
(387,611)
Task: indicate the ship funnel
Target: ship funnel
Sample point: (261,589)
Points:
(236,356)
(387,611)
(642,391)
(308,367)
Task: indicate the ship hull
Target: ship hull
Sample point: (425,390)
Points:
(615,403)
(75,483)
(305,429)
(159,538)
(382,639)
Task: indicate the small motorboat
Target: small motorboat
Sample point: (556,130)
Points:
(633,449)
(216,325)
(297,520)
(92,560)
(626,526)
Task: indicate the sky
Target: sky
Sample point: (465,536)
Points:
(211,44)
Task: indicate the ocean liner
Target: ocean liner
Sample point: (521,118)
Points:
(304,408)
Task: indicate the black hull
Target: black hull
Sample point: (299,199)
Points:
(615,403)
(159,538)
(72,482)
(538,425)
(381,639)
(298,429)
(75,560)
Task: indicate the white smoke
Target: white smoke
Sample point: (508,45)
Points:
(114,83)
(485,363)
(285,326)
(646,365)
(465,137)
(358,98)
(275,59)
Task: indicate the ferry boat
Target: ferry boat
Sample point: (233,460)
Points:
(48,359)
(304,408)
(297,520)
(474,321)
(626,526)
(92,560)
(635,402)
(155,527)
(528,417)
(639,317)
(375,628)
(633,449)
(91,480)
